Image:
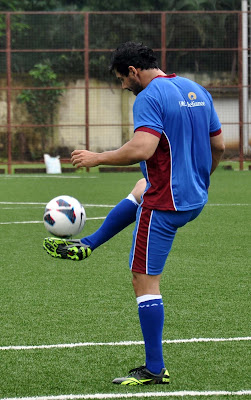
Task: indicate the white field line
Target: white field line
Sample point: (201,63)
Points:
(123,343)
(86,205)
(44,204)
(42,207)
(21,203)
(39,176)
(228,205)
(40,222)
(21,222)
(46,176)
(113,205)
(134,395)
(21,208)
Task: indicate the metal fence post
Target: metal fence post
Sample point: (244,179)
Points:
(8,68)
(240,89)
(86,44)
(163,41)
(245,76)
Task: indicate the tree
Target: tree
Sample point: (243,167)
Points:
(149,5)
(29,5)
(41,103)
(119,5)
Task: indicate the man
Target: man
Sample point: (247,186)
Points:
(178,142)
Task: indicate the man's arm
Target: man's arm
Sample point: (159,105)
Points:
(217,148)
(141,147)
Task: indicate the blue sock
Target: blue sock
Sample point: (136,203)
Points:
(122,215)
(151,315)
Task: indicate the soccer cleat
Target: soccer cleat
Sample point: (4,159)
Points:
(71,249)
(141,376)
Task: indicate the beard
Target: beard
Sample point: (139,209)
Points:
(135,87)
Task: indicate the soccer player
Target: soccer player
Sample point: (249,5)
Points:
(178,142)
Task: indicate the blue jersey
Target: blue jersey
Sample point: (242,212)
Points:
(181,113)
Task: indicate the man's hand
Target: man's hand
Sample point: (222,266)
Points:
(84,158)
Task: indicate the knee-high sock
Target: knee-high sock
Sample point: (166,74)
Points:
(122,215)
(151,315)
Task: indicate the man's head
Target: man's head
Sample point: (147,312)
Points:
(128,60)
(132,54)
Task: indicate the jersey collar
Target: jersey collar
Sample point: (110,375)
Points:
(166,76)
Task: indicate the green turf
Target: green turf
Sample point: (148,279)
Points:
(205,287)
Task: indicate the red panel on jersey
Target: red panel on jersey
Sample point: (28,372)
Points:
(140,252)
(159,195)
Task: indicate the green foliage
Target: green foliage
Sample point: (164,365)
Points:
(29,5)
(149,5)
(41,103)
(107,31)
(16,22)
(119,5)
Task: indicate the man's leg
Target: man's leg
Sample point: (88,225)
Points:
(152,242)
(151,316)
(121,216)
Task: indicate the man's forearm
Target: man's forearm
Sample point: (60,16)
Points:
(122,156)
(140,147)
(217,149)
(216,157)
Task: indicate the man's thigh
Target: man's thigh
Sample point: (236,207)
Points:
(153,237)
(152,241)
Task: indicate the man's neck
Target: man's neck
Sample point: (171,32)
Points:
(147,75)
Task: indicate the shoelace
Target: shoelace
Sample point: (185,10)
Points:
(136,369)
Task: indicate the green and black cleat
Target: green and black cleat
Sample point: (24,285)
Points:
(70,249)
(141,376)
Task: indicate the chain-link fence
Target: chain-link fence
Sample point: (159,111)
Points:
(57,94)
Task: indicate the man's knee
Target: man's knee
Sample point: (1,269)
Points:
(138,189)
(145,284)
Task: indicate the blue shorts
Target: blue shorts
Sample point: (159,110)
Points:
(153,238)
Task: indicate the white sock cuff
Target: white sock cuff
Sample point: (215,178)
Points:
(147,297)
(132,198)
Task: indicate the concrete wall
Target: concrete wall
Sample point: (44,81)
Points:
(113,106)
(105,116)
(110,116)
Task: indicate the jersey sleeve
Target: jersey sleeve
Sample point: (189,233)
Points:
(147,113)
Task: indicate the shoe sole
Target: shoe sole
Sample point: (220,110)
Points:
(51,246)
(134,382)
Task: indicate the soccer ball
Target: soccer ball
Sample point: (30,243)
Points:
(64,216)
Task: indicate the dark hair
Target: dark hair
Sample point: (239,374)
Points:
(135,54)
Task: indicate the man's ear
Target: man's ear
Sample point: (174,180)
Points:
(132,70)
